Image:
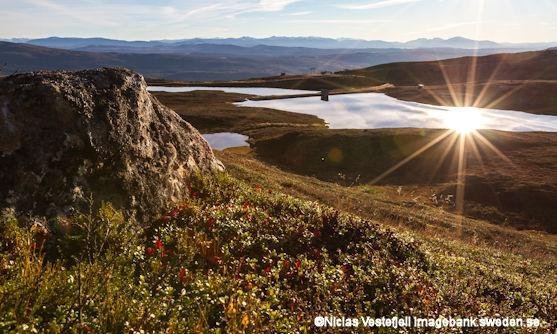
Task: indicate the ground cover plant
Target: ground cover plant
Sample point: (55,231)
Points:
(238,257)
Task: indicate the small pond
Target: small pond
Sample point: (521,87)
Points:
(224,140)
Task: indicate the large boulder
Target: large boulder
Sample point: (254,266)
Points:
(67,138)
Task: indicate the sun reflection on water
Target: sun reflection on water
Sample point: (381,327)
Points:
(464,120)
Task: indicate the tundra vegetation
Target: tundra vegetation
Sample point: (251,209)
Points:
(257,248)
(243,257)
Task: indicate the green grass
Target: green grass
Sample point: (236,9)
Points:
(241,256)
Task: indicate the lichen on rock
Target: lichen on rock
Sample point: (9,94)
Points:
(67,137)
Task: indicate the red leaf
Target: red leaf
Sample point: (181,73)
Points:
(286,264)
(183,275)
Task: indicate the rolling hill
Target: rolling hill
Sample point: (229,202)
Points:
(25,57)
(208,61)
(535,65)
(525,81)
(522,81)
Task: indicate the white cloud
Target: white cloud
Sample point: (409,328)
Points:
(233,8)
(73,13)
(380,4)
(167,10)
(338,21)
(301,13)
(274,5)
(205,10)
(112,14)
(264,6)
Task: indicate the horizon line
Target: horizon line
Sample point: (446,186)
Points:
(277,36)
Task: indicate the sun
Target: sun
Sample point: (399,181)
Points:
(463,120)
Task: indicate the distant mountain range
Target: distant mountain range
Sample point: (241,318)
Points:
(198,62)
(307,42)
(235,58)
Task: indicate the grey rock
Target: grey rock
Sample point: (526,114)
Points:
(67,138)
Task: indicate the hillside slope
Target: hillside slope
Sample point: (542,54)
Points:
(522,81)
(519,192)
(24,58)
(537,65)
(243,257)
(242,254)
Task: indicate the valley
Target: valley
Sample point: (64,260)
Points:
(521,81)
(510,177)
(508,220)
(508,184)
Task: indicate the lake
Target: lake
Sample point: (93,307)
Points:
(375,110)
(224,140)
(259,91)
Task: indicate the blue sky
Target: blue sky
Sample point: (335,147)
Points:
(394,20)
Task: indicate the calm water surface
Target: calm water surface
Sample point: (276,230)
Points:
(224,140)
(374,110)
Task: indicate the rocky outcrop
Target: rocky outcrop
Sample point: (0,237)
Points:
(69,137)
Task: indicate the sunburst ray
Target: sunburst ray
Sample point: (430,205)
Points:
(492,147)
(412,156)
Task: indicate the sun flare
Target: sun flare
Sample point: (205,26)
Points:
(464,120)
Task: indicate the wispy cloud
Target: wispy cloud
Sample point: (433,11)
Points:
(264,6)
(378,4)
(300,13)
(273,5)
(67,11)
(231,9)
(203,10)
(113,14)
(339,21)
(132,19)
